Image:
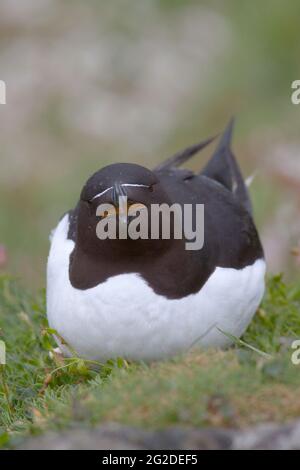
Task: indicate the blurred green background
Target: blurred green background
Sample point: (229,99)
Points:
(95,82)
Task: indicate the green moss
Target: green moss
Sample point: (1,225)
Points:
(199,388)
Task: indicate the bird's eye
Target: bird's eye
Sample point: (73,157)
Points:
(108,213)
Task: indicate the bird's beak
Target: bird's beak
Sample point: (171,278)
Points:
(118,192)
(119,198)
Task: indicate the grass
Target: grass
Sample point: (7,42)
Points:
(253,381)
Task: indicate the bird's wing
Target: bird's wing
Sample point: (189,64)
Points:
(223,167)
(181,157)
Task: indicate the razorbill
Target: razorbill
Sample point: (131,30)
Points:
(147,299)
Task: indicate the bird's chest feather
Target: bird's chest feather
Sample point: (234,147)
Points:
(123,316)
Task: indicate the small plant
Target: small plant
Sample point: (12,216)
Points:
(40,389)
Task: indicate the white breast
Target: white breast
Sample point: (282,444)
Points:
(124,317)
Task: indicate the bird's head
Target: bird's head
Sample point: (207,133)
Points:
(109,201)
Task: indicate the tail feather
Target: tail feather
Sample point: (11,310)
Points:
(224,168)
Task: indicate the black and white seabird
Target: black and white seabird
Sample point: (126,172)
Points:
(148,299)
